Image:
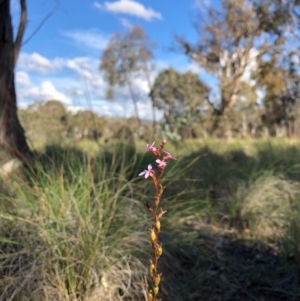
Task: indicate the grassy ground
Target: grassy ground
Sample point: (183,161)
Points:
(78,230)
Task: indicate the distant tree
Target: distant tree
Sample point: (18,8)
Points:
(125,58)
(229,40)
(12,139)
(54,107)
(181,96)
(50,122)
(279,76)
(44,122)
(85,124)
(245,115)
(280,81)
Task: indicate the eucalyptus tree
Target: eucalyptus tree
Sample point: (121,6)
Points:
(127,56)
(229,41)
(13,142)
(12,138)
(181,96)
(279,75)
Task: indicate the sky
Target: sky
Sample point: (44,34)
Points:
(61,60)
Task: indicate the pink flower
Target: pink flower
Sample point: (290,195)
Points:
(168,156)
(148,172)
(160,163)
(151,147)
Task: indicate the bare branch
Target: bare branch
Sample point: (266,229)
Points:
(21,30)
(55,9)
(22,25)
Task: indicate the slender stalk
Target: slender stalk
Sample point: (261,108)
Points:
(161,158)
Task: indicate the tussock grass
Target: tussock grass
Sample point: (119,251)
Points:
(72,238)
(77,230)
(266,204)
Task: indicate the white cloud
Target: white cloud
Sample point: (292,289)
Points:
(126,109)
(45,91)
(35,62)
(129,7)
(83,89)
(88,70)
(75,91)
(82,66)
(22,78)
(88,38)
(194,67)
(126,23)
(201,4)
(106,108)
(140,84)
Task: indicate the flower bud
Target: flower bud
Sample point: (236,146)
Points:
(155,290)
(151,267)
(159,251)
(161,190)
(150,296)
(152,235)
(156,279)
(157,225)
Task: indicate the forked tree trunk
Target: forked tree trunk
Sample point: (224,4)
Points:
(12,138)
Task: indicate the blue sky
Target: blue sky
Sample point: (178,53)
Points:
(61,61)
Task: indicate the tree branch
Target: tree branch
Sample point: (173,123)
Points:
(21,30)
(55,9)
(23,22)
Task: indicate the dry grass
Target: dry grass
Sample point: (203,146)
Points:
(71,239)
(266,204)
(78,231)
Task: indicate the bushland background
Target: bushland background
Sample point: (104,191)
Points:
(75,227)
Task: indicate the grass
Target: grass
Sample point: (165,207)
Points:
(69,237)
(78,230)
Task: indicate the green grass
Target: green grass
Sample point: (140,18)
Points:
(78,230)
(68,237)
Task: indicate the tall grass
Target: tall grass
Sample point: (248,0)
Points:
(78,230)
(68,237)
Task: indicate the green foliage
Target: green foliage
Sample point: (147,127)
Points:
(182,98)
(50,123)
(175,92)
(43,121)
(84,124)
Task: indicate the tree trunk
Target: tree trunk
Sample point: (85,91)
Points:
(152,101)
(12,138)
(136,109)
